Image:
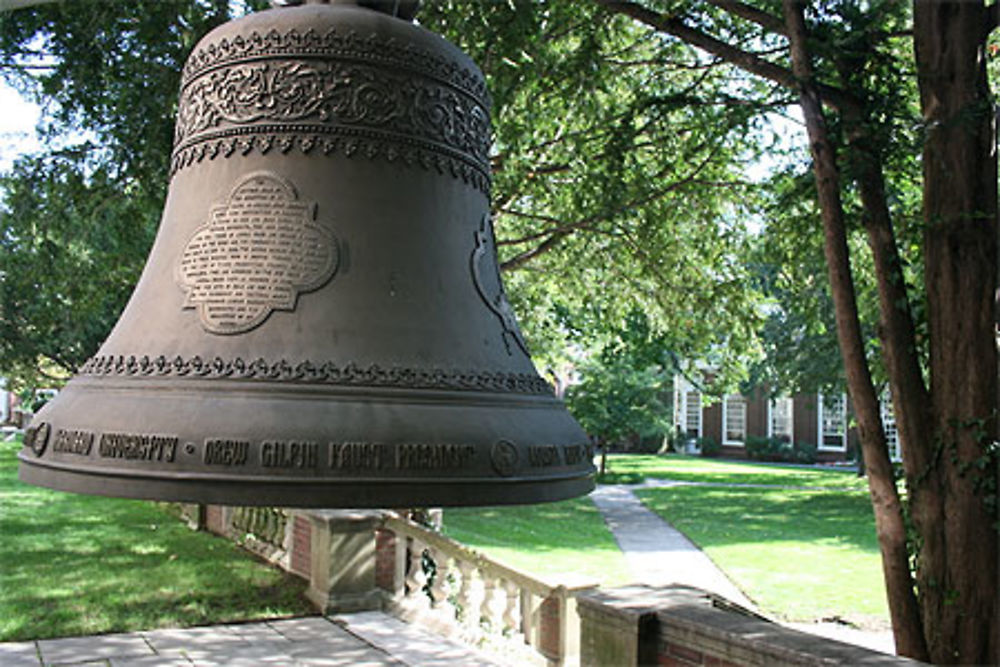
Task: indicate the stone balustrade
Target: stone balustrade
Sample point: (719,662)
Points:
(382,560)
(462,593)
(377,559)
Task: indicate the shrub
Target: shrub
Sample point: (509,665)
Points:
(805,452)
(768,449)
(780,451)
(709,446)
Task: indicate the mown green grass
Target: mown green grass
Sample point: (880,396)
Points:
(635,468)
(801,555)
(552,541)
(74,565)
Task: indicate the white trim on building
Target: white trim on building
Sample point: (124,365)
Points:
(5,402)
(889,427)
(831,422)
(687,408)
(734,420)
(781,418)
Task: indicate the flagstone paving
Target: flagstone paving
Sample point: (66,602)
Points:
(370,639)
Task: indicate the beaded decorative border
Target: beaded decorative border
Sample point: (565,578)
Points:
(349,142)
(328,373)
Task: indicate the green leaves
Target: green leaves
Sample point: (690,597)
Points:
(72,247)
(624,388)
(617,174)
(77,220)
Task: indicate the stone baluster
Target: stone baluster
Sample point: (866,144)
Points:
(512,595)
(465,569)
(416,578)
(439,587)
(487,608)
(444,610)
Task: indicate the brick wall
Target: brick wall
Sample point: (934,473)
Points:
(215,520)
(675,655)
(549,641)
(685,626)
(385,560)
(300,562)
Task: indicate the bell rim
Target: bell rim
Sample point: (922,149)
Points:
(340,493)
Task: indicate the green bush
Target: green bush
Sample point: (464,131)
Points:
(805,452)
(709,446)
(777,450)
(769,449)
(626,408)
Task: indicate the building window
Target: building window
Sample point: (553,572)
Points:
(687,408)
(889,426)
(734,420)
(692,413)
(779,422)
(832,422)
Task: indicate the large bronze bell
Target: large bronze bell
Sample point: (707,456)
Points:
(321,321)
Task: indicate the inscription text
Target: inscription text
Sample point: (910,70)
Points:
(138,447)
(73,442)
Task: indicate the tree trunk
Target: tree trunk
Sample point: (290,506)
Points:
(887,507)
(958,561)
(948,429)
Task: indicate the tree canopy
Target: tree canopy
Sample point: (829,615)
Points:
(623,134)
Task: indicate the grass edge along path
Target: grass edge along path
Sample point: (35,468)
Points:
(636,468)
(801,555)
(548,541)
(76,565)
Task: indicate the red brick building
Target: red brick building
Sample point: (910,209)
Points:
(821,420)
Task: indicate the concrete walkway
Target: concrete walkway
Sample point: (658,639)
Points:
(370,639)
(657,554)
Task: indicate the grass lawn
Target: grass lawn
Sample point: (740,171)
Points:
(800,555)
(549,541)
(74,565)
(634,468)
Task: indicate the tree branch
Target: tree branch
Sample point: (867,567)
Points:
(558,234)
(752,14)
(672,25)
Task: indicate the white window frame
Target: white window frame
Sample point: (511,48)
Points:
(789,404)
(686,395)
(820,433)
(734,398)
(889,428)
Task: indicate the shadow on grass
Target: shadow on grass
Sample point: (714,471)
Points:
(566,524)
(636,468)
(725,516)
(72,564)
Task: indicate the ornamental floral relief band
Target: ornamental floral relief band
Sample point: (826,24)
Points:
(335,43)
(335,105)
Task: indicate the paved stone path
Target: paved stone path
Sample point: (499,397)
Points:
(656,552)
(370,639)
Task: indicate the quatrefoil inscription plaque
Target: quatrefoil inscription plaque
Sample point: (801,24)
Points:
(256,254)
